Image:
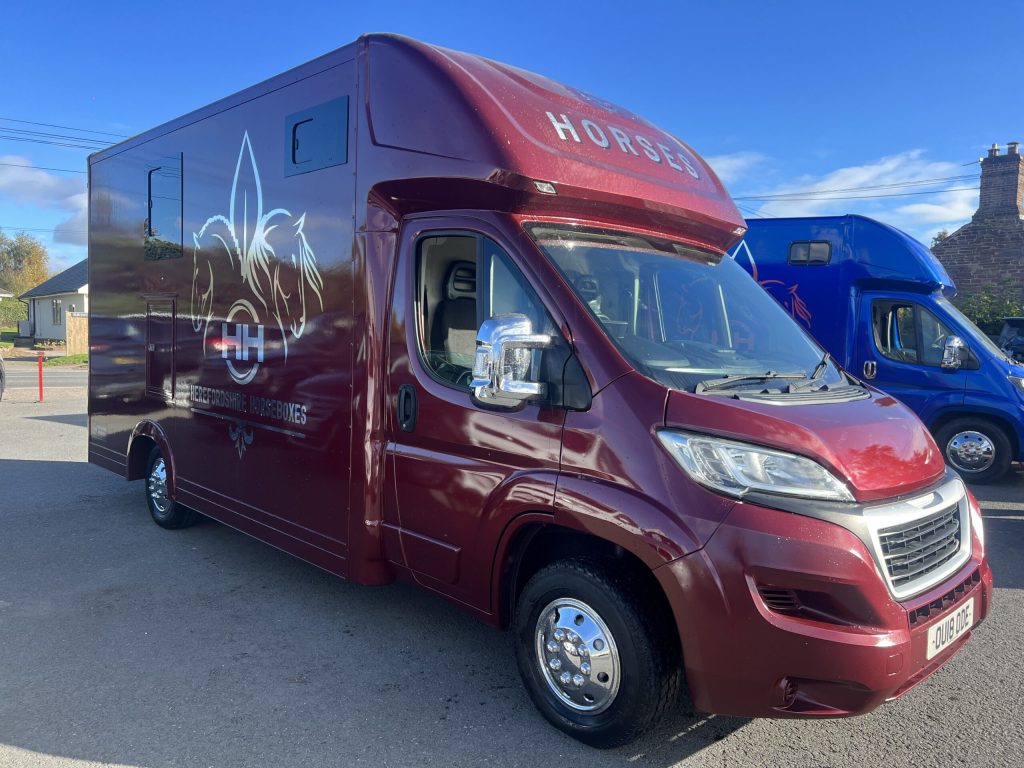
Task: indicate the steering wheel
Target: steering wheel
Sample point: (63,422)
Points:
(446,369)
(690,315)
(742,336)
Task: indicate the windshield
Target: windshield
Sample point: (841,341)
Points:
(970,330)
(683,316)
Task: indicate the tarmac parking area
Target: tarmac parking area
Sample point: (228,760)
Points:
(124,644)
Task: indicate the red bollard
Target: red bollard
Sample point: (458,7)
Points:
(40,378)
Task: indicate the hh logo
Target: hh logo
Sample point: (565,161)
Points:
(241,343)
(244,338)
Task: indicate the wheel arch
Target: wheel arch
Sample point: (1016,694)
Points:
(144,438)
(1000,420)
(534,540)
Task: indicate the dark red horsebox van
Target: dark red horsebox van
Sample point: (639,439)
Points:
(408,313)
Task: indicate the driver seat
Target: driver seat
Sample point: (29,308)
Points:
(455,323)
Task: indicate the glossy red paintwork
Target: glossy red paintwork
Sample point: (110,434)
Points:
(465,470)
(738,651)
(443,140)
(878,445)
(502,115)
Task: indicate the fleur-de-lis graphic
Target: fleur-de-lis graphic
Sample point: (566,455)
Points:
(241,435)
(241,242)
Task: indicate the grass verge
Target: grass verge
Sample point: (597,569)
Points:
(68,360)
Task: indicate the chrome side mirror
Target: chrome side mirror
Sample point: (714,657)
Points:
(952,353)
(504,356)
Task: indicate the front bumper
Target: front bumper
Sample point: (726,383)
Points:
(847,645)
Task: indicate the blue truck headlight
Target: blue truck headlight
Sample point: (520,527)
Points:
(737,468)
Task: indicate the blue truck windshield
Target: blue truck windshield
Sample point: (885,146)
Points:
(682,316)
(975,336)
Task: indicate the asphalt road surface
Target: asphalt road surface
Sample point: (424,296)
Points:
(124,644)
(25,374)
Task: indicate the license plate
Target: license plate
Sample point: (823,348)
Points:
(945,632)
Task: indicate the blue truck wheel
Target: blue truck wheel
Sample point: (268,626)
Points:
(976,448)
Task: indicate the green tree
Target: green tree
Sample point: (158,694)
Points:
(941,235)
(988,307)
(24,263)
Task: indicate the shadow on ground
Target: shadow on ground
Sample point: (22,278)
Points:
(72,419)
(130,644)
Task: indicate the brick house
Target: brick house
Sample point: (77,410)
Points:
(988,251)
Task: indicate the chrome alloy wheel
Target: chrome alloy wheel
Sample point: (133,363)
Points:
(156,487)
(971,451)
(577,656)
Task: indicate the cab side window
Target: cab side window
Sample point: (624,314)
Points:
(908,332)
(463,279)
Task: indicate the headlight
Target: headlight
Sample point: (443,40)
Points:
(1017,381)
(736,468)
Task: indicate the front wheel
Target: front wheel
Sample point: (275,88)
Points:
(597,665)
(976,448)
(166,512)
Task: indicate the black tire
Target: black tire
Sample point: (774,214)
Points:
(165,512)
(964,430)
(650,663)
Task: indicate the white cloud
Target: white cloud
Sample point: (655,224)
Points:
(734,166)
(48,191)
(947,206)
(73,230)
(32,185)
(954,206)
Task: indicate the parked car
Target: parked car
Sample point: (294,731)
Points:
(1011,338)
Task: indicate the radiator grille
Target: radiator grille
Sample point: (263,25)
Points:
(914,550)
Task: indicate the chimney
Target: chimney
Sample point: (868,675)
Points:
(1002,183)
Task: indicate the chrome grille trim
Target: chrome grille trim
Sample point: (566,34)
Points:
(921,541)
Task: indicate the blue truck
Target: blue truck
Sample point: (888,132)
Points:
(878,301)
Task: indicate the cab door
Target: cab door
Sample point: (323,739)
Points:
(901,352)
(456,469)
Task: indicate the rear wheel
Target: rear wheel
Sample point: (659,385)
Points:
(976,448)
(597,665)
(166,512)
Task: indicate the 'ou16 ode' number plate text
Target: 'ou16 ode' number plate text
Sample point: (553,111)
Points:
(944,632)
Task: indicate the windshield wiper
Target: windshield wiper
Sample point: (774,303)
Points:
(818,372)
(822,366)
(740,378)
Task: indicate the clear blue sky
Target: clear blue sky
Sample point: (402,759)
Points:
(781,97)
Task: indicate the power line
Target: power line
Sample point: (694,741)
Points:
(64,127)
(41,168)
(752,211)
(46,135)
(91,147)
(858,197)
(893,185)
(43,229)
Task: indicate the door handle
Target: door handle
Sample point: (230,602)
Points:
(870,369)
(407,407)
